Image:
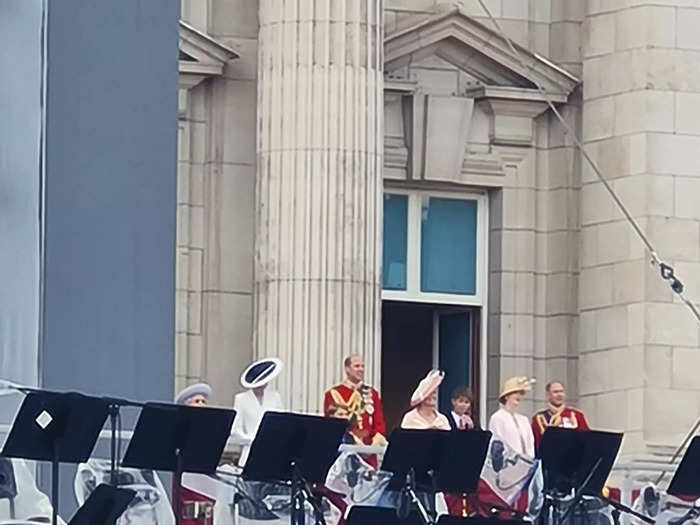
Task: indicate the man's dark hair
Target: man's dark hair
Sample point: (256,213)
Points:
(463,391)
(548,386)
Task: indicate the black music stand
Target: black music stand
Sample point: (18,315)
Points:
(365,515)
(578,460)
(434,460)
(477,520)
(296,450)
(415,453)
(60,427)
(461,460)
(686,480)
(104,506)
(361,515)
(179,438)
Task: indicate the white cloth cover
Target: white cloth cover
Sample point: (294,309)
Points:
(150,506)
(30,501)
(664,508)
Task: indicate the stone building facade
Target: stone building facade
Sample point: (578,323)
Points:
(383,177)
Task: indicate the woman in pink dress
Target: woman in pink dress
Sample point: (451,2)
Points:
(424,414)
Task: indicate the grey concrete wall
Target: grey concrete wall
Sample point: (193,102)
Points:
(110,197)
(108,305)
(20,134)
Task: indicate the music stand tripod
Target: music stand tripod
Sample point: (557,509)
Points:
(438,460)
(577,461)
(56,427)
(240,494)
(296,450)
(114,407)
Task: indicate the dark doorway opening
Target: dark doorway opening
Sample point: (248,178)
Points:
(419,336)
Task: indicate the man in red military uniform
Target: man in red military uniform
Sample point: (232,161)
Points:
(362,402)
(557,414)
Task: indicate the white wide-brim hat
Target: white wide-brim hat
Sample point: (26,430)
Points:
(427,386)
(261,372)
(186,393)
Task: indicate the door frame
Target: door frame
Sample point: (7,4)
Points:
(480,302)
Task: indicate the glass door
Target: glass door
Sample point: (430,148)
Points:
(455,350)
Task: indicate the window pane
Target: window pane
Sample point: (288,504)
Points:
(448,246)
(394,262)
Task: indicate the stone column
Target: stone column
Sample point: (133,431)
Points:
(638,344)
(318,191)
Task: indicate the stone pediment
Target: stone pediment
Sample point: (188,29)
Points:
(477,50)
(200,56)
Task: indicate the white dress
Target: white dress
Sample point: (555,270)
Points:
(249,414)
(514,430)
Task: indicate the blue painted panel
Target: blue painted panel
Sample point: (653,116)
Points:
(395,241)
(448,246)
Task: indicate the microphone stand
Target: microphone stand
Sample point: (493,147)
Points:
(619,507)
(579,492)
(410,493)
(115,405)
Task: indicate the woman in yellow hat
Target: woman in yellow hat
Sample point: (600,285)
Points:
(510,427)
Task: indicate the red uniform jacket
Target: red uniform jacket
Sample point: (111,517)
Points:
(567,417)
(365,407)
(190,496)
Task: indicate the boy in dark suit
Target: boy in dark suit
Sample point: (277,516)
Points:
(460,417)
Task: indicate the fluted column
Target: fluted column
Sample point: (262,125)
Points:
(319,191)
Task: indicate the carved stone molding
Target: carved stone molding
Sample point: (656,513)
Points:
(200,57)
(475,49)
(512,111)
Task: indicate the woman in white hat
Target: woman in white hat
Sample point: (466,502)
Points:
(252,404)
(196,395)
(424,414)
(512,428)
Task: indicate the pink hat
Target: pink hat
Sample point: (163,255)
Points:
(427,386)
